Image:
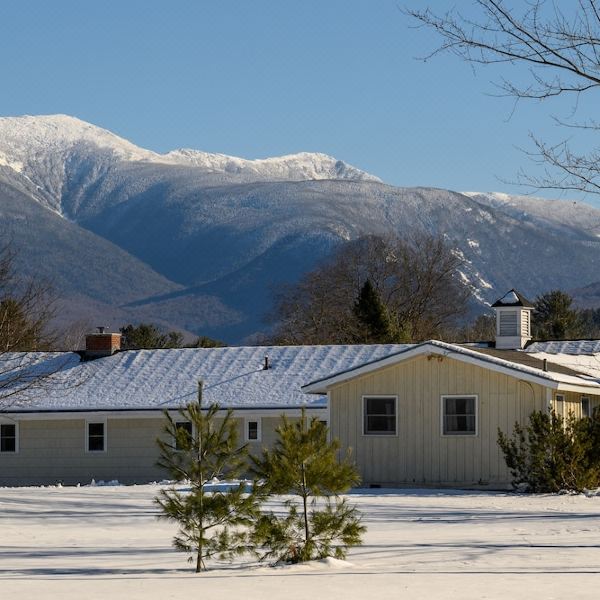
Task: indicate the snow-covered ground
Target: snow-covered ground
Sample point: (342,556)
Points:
(105,542)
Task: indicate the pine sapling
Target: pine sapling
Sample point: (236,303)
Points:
(211,523)
(318,523)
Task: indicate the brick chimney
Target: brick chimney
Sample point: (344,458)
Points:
(102,343)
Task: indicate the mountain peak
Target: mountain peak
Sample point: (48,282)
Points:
(301,166)
(24,139)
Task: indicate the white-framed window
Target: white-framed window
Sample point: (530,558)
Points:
(459,415)
(182,428)
(559,404)
(9,437)
(253,430)
(95,436)
(585,407)
(380,415)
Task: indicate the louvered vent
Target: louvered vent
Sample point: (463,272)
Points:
(508,325)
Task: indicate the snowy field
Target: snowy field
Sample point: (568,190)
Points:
(105,542)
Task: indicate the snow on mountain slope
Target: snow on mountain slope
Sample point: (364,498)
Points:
(233,230)
(293,167)
(48,152)
(29,137)
(571,216)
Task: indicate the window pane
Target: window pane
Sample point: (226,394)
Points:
(95,437)
(96,428)
(585,407)
(459,416)
(380,406)
(184,434)
(380,416)
(8,438)
(252,430)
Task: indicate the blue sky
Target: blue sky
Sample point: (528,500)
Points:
(262,78)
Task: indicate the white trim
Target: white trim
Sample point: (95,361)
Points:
(589,404)
(461,354)
(258,422)
(582,389)
(328,417)
(89,422)
(362,416)
(559,398)
(6,421)
(459,435)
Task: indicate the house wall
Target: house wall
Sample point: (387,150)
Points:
(419,454)
(572,403)
(52,451)
(55,451)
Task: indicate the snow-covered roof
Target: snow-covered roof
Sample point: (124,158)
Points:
(512,298)
(566,347)
(523,371)
(233,377)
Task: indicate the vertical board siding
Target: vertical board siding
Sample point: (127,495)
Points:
(420,454)
(572,403)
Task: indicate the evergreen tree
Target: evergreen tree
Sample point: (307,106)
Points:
(551,454)
(211,523)
(304,464)
(204,341)
(148,335)
(554,317)
(373,318)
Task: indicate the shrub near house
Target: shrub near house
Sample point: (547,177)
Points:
(551,454)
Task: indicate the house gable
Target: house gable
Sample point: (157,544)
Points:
(573,382)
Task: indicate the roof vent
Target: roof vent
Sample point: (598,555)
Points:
(513,321)
(266,366)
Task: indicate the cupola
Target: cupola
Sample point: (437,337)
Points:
(513,321)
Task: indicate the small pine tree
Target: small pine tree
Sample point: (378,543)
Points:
(304,464)
(211,523)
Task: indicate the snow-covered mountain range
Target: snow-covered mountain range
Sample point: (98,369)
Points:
(201,241)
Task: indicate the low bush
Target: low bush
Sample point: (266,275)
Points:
(551,454)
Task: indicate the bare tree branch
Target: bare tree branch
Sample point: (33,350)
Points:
(562,52)
(26,308)
(416,280)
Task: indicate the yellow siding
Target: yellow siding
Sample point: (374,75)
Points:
(419,454)
(52,451)
(572,403)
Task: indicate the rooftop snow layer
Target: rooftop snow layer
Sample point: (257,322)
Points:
(233,377)
(510,298)
(318,385)
(566,347)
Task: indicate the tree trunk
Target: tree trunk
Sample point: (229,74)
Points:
(304,505)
